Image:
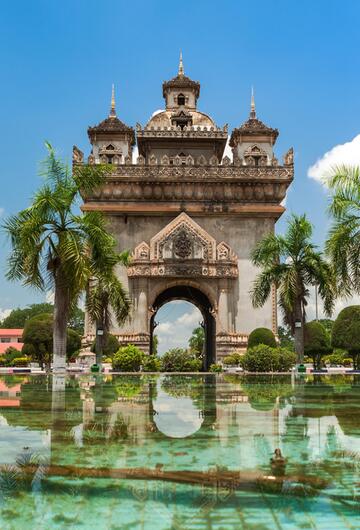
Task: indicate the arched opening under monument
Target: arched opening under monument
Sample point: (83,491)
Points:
(202,302)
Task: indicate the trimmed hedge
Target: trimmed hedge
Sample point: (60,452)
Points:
(316,342)
(263,358)
(233,359)
(261,336)
(151,363)
(346,333)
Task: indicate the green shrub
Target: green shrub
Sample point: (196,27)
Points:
(151,363)
(337,357)
(347,361)
(233,359)
(107,360)
(346,333)
(263,358)
(10,354)
(180,360)
(287,359)
(261,336)
(112,345)
(316,342)
(20,361)
(128,359)
(216,368)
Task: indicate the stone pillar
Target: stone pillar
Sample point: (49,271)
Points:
(223,311)
(142,323)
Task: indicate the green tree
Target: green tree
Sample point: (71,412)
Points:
(343,244)
(261,336)
(18,317)
(38,339)
(54,247)
(316,342)
(286,339)
(106,297)
(346,333)
(197,341)
(77,320)
(292,263)
(128,359)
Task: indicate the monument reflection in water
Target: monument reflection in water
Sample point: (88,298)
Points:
(179,452)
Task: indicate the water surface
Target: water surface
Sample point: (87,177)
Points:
(179,452)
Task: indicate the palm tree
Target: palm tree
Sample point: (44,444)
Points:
(106,297)
(292,263)
(197,340)
(54,247)
(343,244)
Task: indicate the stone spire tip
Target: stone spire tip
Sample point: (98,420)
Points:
(112,106)
(252,105)
(181,65)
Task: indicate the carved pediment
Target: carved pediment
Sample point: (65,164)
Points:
(142,252)
(183,238)
(183,249)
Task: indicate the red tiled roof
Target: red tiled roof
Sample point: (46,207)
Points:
(5,345)
(11,332)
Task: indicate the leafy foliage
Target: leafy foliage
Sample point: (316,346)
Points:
(111,346)
(197,341)
(53,247)
(216,368)
(180,360)
(292,263)
(38,339)
(18,317)
(264,392)
(234,359)
(128,359)
(261,336)
(346,332)
(317,342)
(263,358)
(151,363)
(343,244)
(286,339)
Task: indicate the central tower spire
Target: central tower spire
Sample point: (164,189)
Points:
(112,113)
(252,105)
(181,66)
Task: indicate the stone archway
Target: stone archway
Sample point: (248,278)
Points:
(202,302)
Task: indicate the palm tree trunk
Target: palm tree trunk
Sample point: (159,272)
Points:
(99,342)
(61,311)
(299,333)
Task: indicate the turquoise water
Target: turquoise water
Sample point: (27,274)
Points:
(179,452)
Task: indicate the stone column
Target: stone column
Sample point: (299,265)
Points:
(223,310)
(142,317)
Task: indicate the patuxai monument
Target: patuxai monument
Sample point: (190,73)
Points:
(189,215)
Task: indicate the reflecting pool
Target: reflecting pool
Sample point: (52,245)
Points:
(179,452)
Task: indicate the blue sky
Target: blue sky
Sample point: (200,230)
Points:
(59,59)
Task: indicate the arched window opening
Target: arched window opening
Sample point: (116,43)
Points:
(181,99)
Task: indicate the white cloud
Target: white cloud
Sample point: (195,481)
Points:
(175,332)
(135,154)
(156,112)
(189,318)
(228,151)
(347,153)
(50,297)
(4,313)
(339,305)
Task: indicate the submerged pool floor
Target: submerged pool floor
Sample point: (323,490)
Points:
(179,452)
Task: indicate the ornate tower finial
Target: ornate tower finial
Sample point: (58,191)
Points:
(112,107)
(181,66)
(252,106)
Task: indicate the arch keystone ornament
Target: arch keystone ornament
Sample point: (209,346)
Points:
(189,215)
